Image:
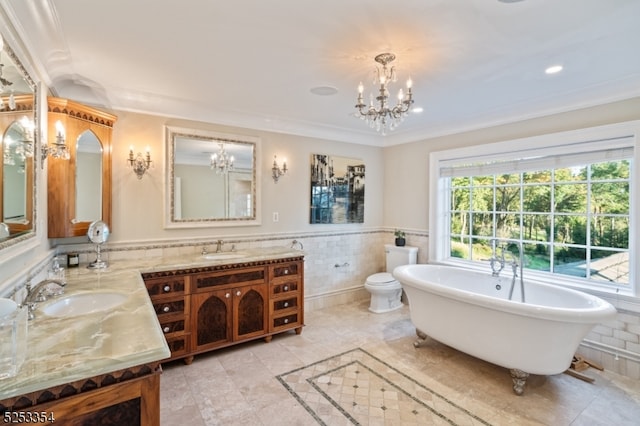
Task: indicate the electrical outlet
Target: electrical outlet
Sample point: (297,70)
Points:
(276,216)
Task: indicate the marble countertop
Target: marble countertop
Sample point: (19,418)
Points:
(63,350)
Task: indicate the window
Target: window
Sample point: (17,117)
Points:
(568,201)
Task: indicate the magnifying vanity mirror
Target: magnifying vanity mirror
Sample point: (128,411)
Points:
(211,179)
(18,121)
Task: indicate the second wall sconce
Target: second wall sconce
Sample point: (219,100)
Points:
(276,171)
(138,163)
(59,148)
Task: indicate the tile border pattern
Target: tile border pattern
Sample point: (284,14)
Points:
(315,375)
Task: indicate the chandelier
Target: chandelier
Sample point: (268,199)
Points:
(382,116)
(222,162)
(4,84)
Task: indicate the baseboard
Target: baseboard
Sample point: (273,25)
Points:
(335,298)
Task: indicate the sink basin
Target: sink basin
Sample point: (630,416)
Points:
(222,256)
(82,304)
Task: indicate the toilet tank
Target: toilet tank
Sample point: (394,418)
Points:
(398,256)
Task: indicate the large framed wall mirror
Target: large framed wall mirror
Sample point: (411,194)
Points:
(211,179)
(18,123)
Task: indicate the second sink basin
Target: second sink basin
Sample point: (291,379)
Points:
(81,304)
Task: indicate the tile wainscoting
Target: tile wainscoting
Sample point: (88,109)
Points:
(336,263)
(336,267)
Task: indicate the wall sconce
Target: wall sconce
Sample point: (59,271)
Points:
(59,148)
(138,163)
(276,171)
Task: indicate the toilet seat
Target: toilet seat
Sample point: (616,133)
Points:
(380,279)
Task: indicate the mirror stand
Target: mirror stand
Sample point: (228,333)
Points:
(98,234)
(98,263)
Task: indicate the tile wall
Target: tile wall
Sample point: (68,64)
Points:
(336,267)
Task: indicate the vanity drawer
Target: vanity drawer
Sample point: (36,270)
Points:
(170,307)
(178,345)
(284,287)
(286,322)
(230,278)
(170,327)
(165,286)
(288,303)
(285,270)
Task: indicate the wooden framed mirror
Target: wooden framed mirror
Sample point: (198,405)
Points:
(19,122)
(200,191)
(79,187)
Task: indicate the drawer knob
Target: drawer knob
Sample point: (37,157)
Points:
(286,288)
(286,271)
(166,309)
(286,320)
(228,295)
(167,288)
(286,304)
(238,293)
(166,329)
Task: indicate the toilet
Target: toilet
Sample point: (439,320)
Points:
(386,291)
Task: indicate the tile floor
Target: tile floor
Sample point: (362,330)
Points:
(255,383)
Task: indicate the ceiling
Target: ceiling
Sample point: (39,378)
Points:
(252,64)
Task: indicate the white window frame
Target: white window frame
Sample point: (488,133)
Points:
(558,143)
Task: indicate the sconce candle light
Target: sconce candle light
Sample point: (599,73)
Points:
(138,163)
(59,148)
(276,171)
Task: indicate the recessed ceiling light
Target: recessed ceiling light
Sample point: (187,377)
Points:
(509,1)
(417,110)
(554,69)
(324,90)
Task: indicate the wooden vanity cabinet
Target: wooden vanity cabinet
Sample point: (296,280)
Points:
(286,298)
(222,305)
(172,303)
(61,174)
(229,306)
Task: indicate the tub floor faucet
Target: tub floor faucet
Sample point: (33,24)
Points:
(515,264)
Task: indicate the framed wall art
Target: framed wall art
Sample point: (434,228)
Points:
(337,190)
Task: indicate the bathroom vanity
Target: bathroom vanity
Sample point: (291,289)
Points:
(249,295)
(101,363)
(97,365)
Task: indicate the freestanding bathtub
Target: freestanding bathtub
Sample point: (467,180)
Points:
(471,311)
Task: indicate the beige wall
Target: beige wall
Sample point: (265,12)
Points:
(406,167)
(138,205)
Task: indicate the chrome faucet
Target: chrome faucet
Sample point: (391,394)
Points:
(40,293)
(497,263)
(515,264)
(219,244)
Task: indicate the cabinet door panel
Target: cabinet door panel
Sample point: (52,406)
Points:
(251,313)
(212,319)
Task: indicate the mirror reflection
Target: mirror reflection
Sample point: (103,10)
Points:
(88,177)
(17,164)
(18,139)
(211,177)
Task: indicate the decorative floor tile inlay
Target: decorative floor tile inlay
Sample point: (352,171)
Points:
(357,388)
